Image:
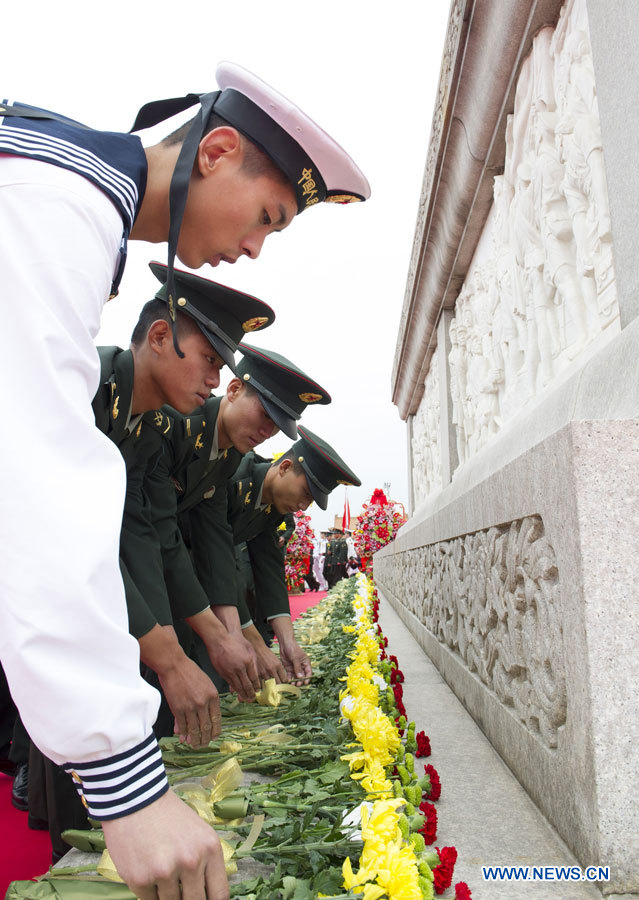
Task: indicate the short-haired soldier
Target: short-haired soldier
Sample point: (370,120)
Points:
(72,197)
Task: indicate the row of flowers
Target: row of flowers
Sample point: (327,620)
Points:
(398,818)
(347,807)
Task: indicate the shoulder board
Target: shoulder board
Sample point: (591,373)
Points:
(159,420)
(107,357)
(191,426)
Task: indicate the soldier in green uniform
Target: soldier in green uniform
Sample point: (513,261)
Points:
(186,492)
(340,556)
(134,384)
(261,495)
(329,558)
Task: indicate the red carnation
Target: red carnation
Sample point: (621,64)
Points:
(423,744)
(435,783)
(443,873)
(462,891)
(429,828)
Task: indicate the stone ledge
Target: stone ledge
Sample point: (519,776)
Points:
(581,482)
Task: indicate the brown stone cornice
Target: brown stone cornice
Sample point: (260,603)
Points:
(486,43)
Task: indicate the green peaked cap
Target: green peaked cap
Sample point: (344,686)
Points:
(284,390)
(223,314)
(323,468)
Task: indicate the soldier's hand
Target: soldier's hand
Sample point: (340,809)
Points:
(235,660)
(269,665)
(166,851)
(194,702)
(295,662)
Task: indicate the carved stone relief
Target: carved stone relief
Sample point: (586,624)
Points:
(427,464)
(493,598)
(544,289)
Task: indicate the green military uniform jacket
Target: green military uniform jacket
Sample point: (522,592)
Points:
(257,527)
(187,494)
(140,443)
(329,559)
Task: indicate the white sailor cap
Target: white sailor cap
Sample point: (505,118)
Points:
(315,164)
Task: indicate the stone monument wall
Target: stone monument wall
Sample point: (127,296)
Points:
(516,369)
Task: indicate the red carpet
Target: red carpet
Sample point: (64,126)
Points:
(23,853)
(301,602)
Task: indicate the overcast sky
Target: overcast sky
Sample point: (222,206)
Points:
(368,74)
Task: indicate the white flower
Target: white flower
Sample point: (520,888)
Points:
(347,703)
(353,820)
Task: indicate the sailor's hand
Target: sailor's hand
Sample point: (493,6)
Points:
(166,852)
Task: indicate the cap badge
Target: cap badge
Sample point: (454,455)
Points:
(310,398)
(255,323)
(343,198)
(309,188)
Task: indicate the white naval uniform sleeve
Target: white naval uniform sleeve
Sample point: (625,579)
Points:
(72,666)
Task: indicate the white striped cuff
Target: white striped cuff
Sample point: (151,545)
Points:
(121,784)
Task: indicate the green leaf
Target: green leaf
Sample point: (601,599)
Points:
(85,840)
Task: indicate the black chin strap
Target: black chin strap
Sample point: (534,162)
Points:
(152,114)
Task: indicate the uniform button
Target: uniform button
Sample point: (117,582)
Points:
(76,777)
(84,802)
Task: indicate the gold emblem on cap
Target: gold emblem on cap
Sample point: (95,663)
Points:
(310,398)
(309,188)
(246,376)
(254,323)
(343,198)
(182,301)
